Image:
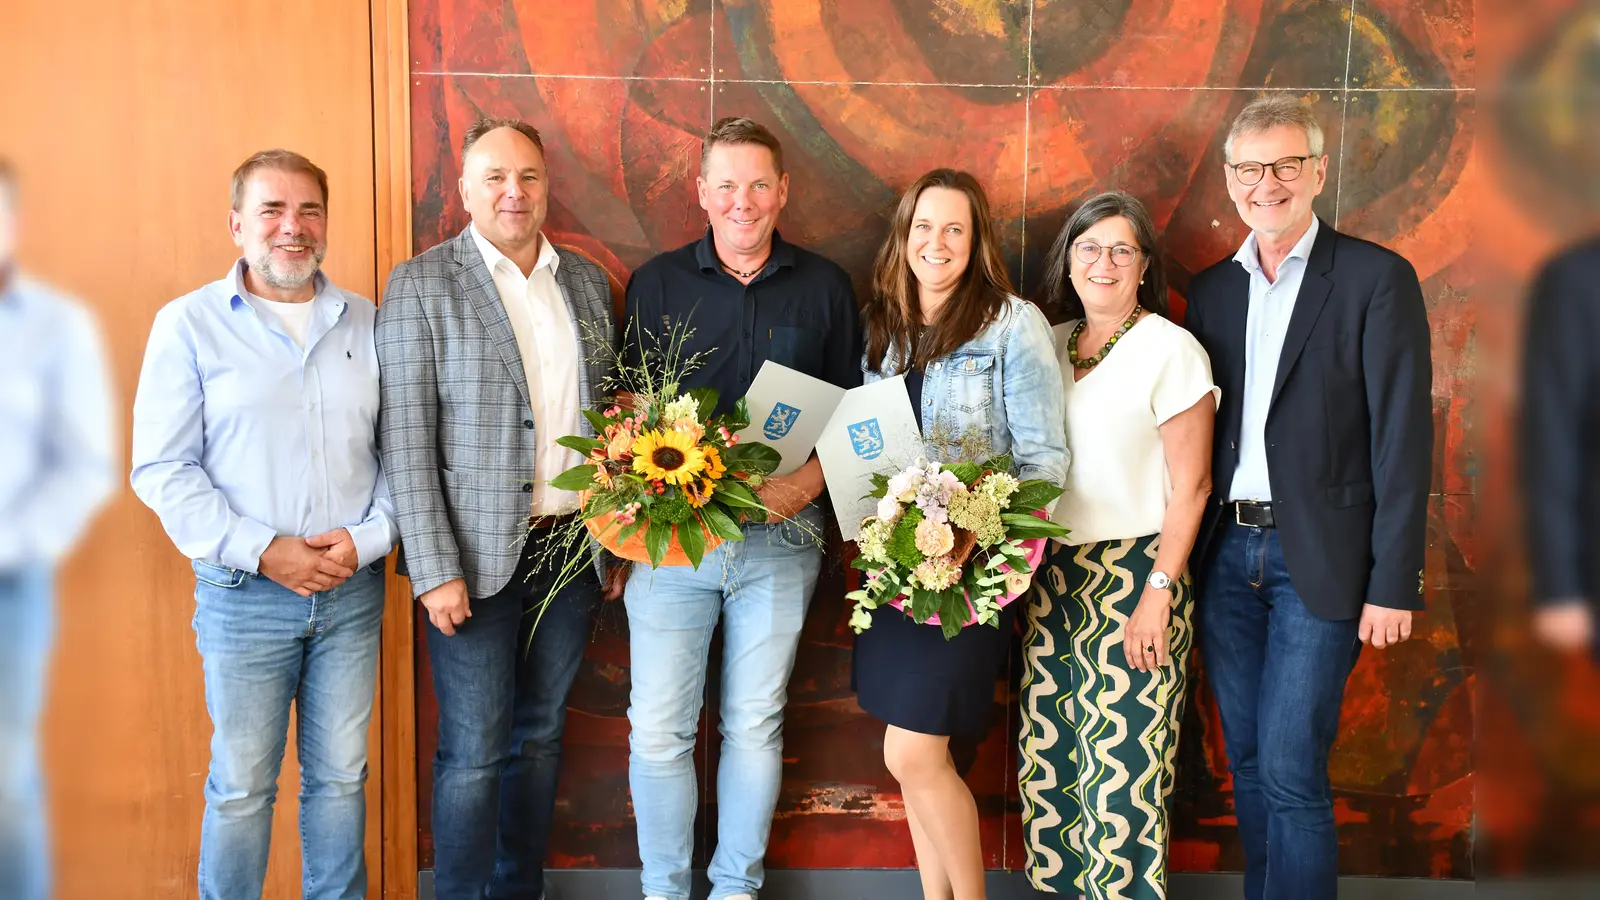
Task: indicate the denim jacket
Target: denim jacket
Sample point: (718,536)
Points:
(998,393)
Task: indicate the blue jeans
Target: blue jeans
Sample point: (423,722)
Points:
(28,604)
(1278,673)
(264,647)
(760,588)
(502,708)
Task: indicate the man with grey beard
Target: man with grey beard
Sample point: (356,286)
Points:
(255,441)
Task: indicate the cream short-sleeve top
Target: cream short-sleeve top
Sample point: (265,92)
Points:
(1119,485)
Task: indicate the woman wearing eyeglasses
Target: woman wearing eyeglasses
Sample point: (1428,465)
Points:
(1108,625)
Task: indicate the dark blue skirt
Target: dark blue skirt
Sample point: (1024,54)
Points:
(910,677)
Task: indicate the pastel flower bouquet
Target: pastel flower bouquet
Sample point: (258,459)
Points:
(951,544)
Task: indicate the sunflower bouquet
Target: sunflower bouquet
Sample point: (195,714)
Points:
(951,545)
(665,481)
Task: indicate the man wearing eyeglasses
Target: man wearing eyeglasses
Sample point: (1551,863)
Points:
(1321,460)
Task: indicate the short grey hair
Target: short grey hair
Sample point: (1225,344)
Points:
(1271,111)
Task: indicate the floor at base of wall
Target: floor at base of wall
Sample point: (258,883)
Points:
(902,884)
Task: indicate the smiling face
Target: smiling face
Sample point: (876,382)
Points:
(503,186)
(1274,208)
(1107,289)
(939,245)
(281,226)
(742,194)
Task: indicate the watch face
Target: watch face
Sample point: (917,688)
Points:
(1159,580)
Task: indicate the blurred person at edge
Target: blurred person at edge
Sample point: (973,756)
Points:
(1559,476)
(255,439)
(57,467)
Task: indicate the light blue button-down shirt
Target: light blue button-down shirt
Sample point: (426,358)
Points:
(1271,305)
(58,458)
(241,436)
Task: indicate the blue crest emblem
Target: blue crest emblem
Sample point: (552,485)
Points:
(782,419)
(866,438)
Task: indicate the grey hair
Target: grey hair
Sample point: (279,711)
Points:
(1271,111)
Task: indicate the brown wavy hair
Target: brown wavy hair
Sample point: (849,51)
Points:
(892,313)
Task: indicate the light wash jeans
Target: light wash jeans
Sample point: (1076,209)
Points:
(263,647)
(28,604)
(760,588)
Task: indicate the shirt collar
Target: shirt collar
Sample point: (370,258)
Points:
(492,255)
(1249,254)
(705,252)
(321,285)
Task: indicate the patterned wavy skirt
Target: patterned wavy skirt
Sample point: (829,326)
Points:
(1099,738)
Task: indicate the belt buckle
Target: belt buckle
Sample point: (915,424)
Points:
(1238,513)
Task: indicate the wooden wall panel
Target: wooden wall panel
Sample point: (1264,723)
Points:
(127,119)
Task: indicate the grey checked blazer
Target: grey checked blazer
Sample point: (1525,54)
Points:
(455,426)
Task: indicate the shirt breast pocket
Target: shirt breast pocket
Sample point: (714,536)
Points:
(798,348)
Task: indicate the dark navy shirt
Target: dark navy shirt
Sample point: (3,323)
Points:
(800,311)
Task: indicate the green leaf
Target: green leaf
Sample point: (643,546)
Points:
(967,472)
(880,485)
(706,400)
(1001,463)
(1021,525)
(581,444)
(739,419)
(656,541)
(758,459)
(602,503)
(1032,495)
(720,524)
(924,603)
(629,531)
(577,478)
(952,611)
(597,421)
(693,542)
(735,494)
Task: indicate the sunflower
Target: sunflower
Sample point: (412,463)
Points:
(669,456)
(699,492)
(714,465)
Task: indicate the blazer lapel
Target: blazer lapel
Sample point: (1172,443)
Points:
(1233,305)
(485,298)
(1314,290)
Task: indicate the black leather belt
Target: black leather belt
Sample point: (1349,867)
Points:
(1252,514)
(551,521)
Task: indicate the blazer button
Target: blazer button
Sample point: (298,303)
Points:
(527,423)
(1233,445)
(527,488)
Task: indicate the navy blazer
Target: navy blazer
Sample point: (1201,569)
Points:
(1349,431)
(1560,426)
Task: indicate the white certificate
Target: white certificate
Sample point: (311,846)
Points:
(788,411)
(873,430)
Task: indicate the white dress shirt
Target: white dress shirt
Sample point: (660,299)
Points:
(549,346)
(1271,305)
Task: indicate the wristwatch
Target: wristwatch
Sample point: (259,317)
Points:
(1159,581)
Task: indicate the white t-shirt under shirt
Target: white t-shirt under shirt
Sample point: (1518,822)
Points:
(295,317)
(1119,485)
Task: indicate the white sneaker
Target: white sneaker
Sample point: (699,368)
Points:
(745,896)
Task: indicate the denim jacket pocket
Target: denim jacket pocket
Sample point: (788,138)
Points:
(971,381)
(218,576)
